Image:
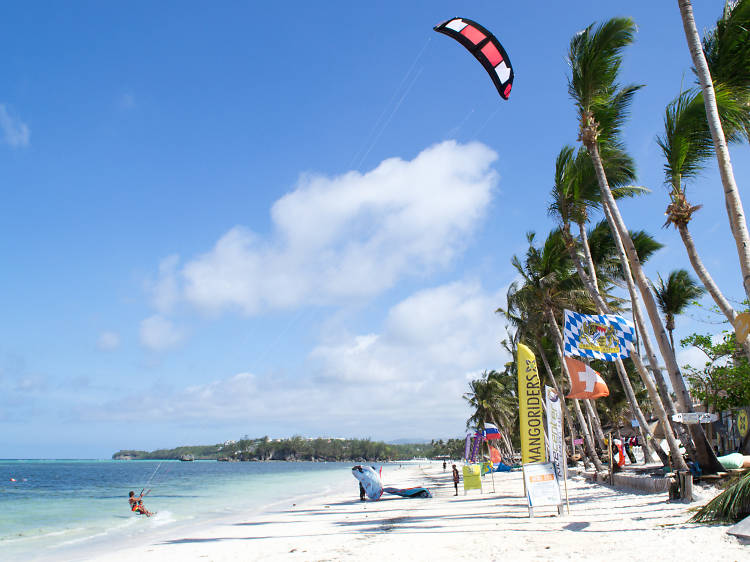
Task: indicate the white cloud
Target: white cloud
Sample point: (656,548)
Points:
(165,290)
(407,380)
(15,132)
(434,334)
(108,341)
(158,333)
(355,235)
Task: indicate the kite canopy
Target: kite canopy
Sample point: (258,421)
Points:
(486,49)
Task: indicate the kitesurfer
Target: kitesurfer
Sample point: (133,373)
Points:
(136,504)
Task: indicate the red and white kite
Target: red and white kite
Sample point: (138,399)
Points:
(587,383)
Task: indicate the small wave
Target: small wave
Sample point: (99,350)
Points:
(24,537)
(81,539)
(162,518)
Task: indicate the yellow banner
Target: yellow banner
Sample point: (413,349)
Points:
(472,479)
(530,406)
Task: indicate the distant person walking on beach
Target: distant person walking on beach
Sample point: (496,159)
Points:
(456,478)
(136,504)
(444,465)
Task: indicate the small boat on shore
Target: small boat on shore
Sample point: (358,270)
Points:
(187,458)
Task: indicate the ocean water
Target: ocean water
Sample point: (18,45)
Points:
(49,506)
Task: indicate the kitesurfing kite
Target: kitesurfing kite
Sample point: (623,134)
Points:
(485,47)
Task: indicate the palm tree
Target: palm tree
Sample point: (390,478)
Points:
(595,57)
(727,50)
(492,398)
(676,295)
(529,324)
(734,206)
(686,144)
(574,193)
(550,285)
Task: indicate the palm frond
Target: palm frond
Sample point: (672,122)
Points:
(730,506)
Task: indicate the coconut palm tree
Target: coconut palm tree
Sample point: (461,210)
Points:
(529,325)
(549,286)
(493,398)
(686,145)
(574,193)
(595,57)
(674,296)
(732,199)
(727,51)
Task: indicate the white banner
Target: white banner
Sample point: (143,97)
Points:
(555,444)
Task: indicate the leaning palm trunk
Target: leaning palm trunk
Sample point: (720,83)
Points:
(590,282)
(732,199)
(587,439)
(704,454)
(550,374)
(595,423)
(661,401)
(707,280)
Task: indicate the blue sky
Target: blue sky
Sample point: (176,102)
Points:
(243,219)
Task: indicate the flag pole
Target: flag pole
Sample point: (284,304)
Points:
(492,471)
(565,466)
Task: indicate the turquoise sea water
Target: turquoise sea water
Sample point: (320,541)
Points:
(55,505)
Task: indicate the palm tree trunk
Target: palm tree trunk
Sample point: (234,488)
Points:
(735,211)
(707,280)
(587,439)
(596,424)
(643,428)
(704,454)
(566,413)
(593,289)
(587,253)
(666,407)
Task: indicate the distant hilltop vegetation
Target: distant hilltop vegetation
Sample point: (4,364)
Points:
(300,449)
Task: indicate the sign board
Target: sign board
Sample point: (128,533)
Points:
(577,441)
(742,423)
(694,417)
(742,326)
(542,488)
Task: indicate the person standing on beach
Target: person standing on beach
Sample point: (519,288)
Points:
(456,478)
(361,492)
(444,465)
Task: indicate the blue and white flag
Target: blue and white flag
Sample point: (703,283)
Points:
(598,336)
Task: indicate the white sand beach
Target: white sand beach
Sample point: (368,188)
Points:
(604,523)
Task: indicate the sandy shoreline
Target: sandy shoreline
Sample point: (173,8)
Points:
(604,523)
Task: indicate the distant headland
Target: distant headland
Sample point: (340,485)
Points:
(326,449)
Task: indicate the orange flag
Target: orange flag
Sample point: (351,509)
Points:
(495,456)
(587,383)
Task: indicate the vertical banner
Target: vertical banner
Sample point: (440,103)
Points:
(555,445)
(467,446)
(530,407)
